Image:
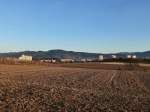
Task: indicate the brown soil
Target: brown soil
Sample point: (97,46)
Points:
(28,88)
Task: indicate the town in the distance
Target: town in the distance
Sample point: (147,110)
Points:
(54,60)
(61,56)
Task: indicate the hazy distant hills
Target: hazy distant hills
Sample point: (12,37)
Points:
(70,54)
(52,54)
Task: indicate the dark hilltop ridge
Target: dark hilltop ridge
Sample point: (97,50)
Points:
(71,54)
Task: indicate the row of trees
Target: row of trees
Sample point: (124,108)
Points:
(11,60)
(128,60)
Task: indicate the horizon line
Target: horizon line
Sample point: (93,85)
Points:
(17,51)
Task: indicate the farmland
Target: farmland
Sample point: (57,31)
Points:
(74,88)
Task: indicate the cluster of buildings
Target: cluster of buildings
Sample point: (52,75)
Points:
(102,57)
(67,60)
(53,60)
(25,58)
(49,60)
(131,56)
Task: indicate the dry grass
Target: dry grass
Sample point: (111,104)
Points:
(58,89)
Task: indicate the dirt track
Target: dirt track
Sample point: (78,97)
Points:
(57,89)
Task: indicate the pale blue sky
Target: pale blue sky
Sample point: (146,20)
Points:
(78,25)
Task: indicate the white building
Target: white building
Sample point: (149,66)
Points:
(129,56)
(89,60)
(114,56)
(25,58)
(53,61)
(134,56)
(67,60)
(101,58)
(83,60)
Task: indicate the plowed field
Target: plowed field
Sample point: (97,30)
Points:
(60,89)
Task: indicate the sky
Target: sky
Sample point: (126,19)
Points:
(100,26)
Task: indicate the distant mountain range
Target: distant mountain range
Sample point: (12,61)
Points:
(71,54)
